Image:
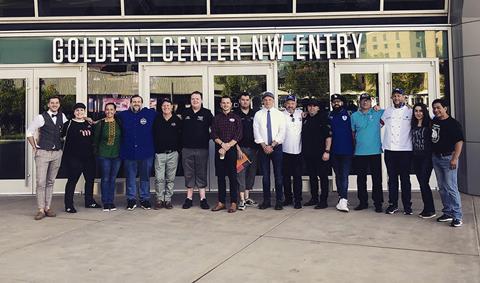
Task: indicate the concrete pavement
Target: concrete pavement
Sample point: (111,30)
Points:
(194,245)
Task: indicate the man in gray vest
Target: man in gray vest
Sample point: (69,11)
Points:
(47,149)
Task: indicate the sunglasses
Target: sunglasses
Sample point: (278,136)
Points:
(291,116)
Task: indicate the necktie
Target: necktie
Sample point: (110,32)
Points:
(269,128)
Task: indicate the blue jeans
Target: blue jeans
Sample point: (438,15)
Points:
(341,165)
(448,186)
(109,169)
(276,158)
(143,168)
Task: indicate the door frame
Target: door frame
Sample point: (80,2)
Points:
(207,71)
(384,68)
(32,73)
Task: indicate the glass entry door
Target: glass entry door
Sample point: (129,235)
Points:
(418,78)
(177,82)
(24,93)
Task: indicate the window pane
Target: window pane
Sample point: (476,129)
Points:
(250,6)
(78,7)
(18,8)
(415,85)
(337,5)
(12,129)
(414,4)
(353,85)
(233,85)
(165,7)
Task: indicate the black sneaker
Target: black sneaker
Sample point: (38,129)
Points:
(145,204)
(444,218)
(407,211)
(131,204)
(187,204)
(361,206)
(168,205)
(264,205)
(456,223)
(106,207)
(278,206)
(391,209)
(112,207)
(70,210)
(427,214)
(378,209)
(321,205)
(297,205)
(204,204)
(250,202)
(92,204)
(311,202)
(287,202)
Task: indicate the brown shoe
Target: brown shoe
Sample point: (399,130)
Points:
(168,205)
(219,207)
(233,208)
(50,213)
(158,205)
(39,215)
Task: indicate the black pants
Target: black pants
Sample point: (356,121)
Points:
(362,164)
(422,165)
(398,165)
(227,167)
(75,167)
(316,167)
(292,167)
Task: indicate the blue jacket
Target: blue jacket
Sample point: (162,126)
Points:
(342,140)
(137,134)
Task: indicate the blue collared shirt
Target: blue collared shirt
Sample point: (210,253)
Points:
(367,132)
(342,140)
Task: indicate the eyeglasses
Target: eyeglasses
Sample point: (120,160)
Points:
(291,116)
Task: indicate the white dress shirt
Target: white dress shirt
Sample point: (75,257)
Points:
(292,143)
(397,136)
(38,122)
(260,126)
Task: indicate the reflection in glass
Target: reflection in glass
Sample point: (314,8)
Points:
(353,85)
(12,129)
(414,4)
(165,7)
(17,8)
(110,83)
(250,6)
(337,6)
(415,85)
(177,89)
(233,85)
(78,8)
(65,88)
(304,80)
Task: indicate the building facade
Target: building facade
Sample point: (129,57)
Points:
(100,51)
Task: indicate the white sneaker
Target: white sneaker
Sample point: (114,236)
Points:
(342,205)
(241,205)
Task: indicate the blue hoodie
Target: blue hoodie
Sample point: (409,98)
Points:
(137,134)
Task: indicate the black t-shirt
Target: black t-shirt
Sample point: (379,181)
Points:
(167,134)
(248,139)
(315,130)
(422,140)
(78,139)
(196,128)
(445,134)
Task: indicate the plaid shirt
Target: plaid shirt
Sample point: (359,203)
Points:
(226,127)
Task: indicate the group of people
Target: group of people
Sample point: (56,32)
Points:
(145,139)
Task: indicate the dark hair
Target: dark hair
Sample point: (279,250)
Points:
(134,96)
(426,116)
(226,97)
(55,97)
(196,92)
(442,102)
(111,103)
(244,94)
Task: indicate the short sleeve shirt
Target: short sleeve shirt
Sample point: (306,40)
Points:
(367,132)
(445,134)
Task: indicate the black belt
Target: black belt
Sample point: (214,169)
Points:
(167,151)
(443,154)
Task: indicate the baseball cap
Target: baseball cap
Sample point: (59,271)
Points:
(337,96)
(365,96)
(397,90)
(313,102)
(291,97)
(79,105)
(166,100)
(267,94)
